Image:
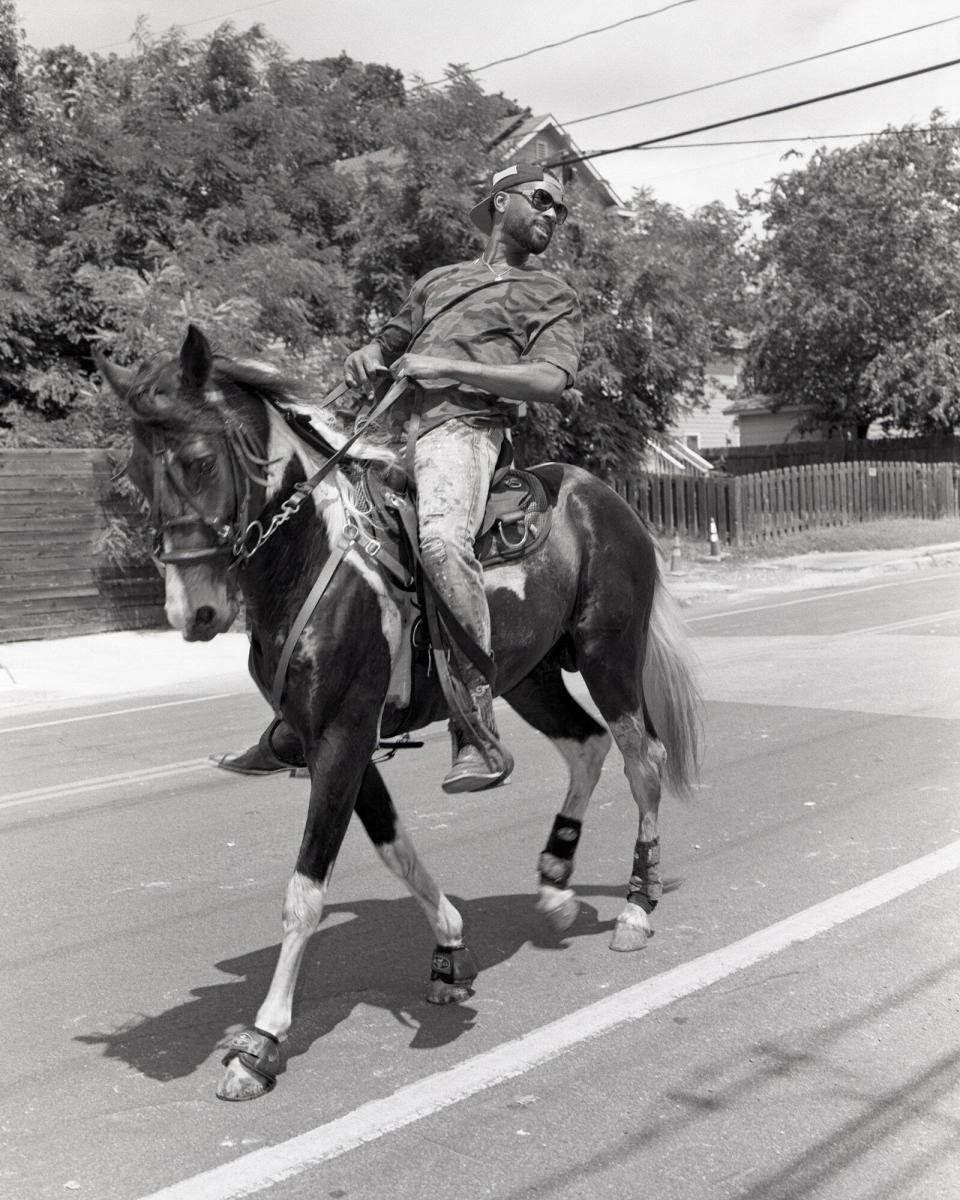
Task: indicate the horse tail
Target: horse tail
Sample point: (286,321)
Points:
(671,691)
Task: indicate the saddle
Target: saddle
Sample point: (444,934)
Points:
(516,520)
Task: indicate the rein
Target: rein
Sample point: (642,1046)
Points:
(241,537)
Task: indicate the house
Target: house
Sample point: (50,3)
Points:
(760,423)
(543,139)
(523,136)
(710,425)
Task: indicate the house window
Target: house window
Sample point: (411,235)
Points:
(541,150)
(692,441)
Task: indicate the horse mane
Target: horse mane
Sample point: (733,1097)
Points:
(325,428)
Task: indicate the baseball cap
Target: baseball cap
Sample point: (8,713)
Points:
(505,180)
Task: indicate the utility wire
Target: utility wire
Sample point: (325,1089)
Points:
(705,87)
(199,21)
(563,160)
(565,42)
(811,137)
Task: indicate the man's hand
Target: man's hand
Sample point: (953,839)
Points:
(362,366)
(421,366)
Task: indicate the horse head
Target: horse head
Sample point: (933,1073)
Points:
(197,458)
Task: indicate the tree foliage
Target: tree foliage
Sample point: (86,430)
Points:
(287,207)
(860,271)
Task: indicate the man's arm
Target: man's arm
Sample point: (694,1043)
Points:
(533,382)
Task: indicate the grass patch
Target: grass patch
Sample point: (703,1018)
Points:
(893,534)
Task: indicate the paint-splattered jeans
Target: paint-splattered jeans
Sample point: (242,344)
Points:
(454,464)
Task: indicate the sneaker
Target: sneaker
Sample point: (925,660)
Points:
(475,770)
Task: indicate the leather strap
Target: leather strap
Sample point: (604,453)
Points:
(334,559)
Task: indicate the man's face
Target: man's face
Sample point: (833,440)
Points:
(524,224)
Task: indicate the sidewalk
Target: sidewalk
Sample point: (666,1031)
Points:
(100,667)
(703,579)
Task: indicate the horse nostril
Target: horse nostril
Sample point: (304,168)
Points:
(205,615)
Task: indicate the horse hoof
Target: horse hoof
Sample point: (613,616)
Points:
(439,992)
(239,1083)
(632,931)
(560,908)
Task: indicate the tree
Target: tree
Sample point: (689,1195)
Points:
(860,271)
(659,295)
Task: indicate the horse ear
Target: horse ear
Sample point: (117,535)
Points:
(196,360)
(118,378)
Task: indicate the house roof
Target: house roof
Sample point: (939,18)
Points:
(518,131)
(759,405)
(512,135)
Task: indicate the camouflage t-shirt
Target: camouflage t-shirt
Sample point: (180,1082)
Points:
(530,315)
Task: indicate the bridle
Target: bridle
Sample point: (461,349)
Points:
(246,459)
(241,537)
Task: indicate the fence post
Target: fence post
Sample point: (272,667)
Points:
(734,498)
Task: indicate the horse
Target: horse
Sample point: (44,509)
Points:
(238,515)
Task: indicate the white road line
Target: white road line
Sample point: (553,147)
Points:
(58,791)
(912,621)
(827,595)
(121,712)
(265,1167)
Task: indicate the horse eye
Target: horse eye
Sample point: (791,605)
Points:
(200,470)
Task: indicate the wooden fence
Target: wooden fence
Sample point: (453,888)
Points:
(55,507)
(753,508)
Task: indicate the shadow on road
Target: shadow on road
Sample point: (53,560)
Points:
(372,952)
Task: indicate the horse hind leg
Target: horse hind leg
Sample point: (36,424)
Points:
(643,759)
(453,969)
(542,699)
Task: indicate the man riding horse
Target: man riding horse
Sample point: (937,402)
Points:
(477,341)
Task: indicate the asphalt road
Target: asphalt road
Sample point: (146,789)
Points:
(790,1031)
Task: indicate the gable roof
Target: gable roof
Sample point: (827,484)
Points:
(755,402)
(517,132)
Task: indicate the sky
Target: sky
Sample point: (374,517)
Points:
(688,45)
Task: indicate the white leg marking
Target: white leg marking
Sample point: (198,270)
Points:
(403,860)
(302,910)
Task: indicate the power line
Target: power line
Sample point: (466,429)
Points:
(199,21)
(805,137)
(766,112)
(764,71)
(565,41)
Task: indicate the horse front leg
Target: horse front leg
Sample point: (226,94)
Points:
(337,764)
(453,969)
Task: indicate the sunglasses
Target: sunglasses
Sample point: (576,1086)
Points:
(541,200)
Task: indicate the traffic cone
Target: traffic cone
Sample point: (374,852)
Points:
(675,555)
(714,539)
